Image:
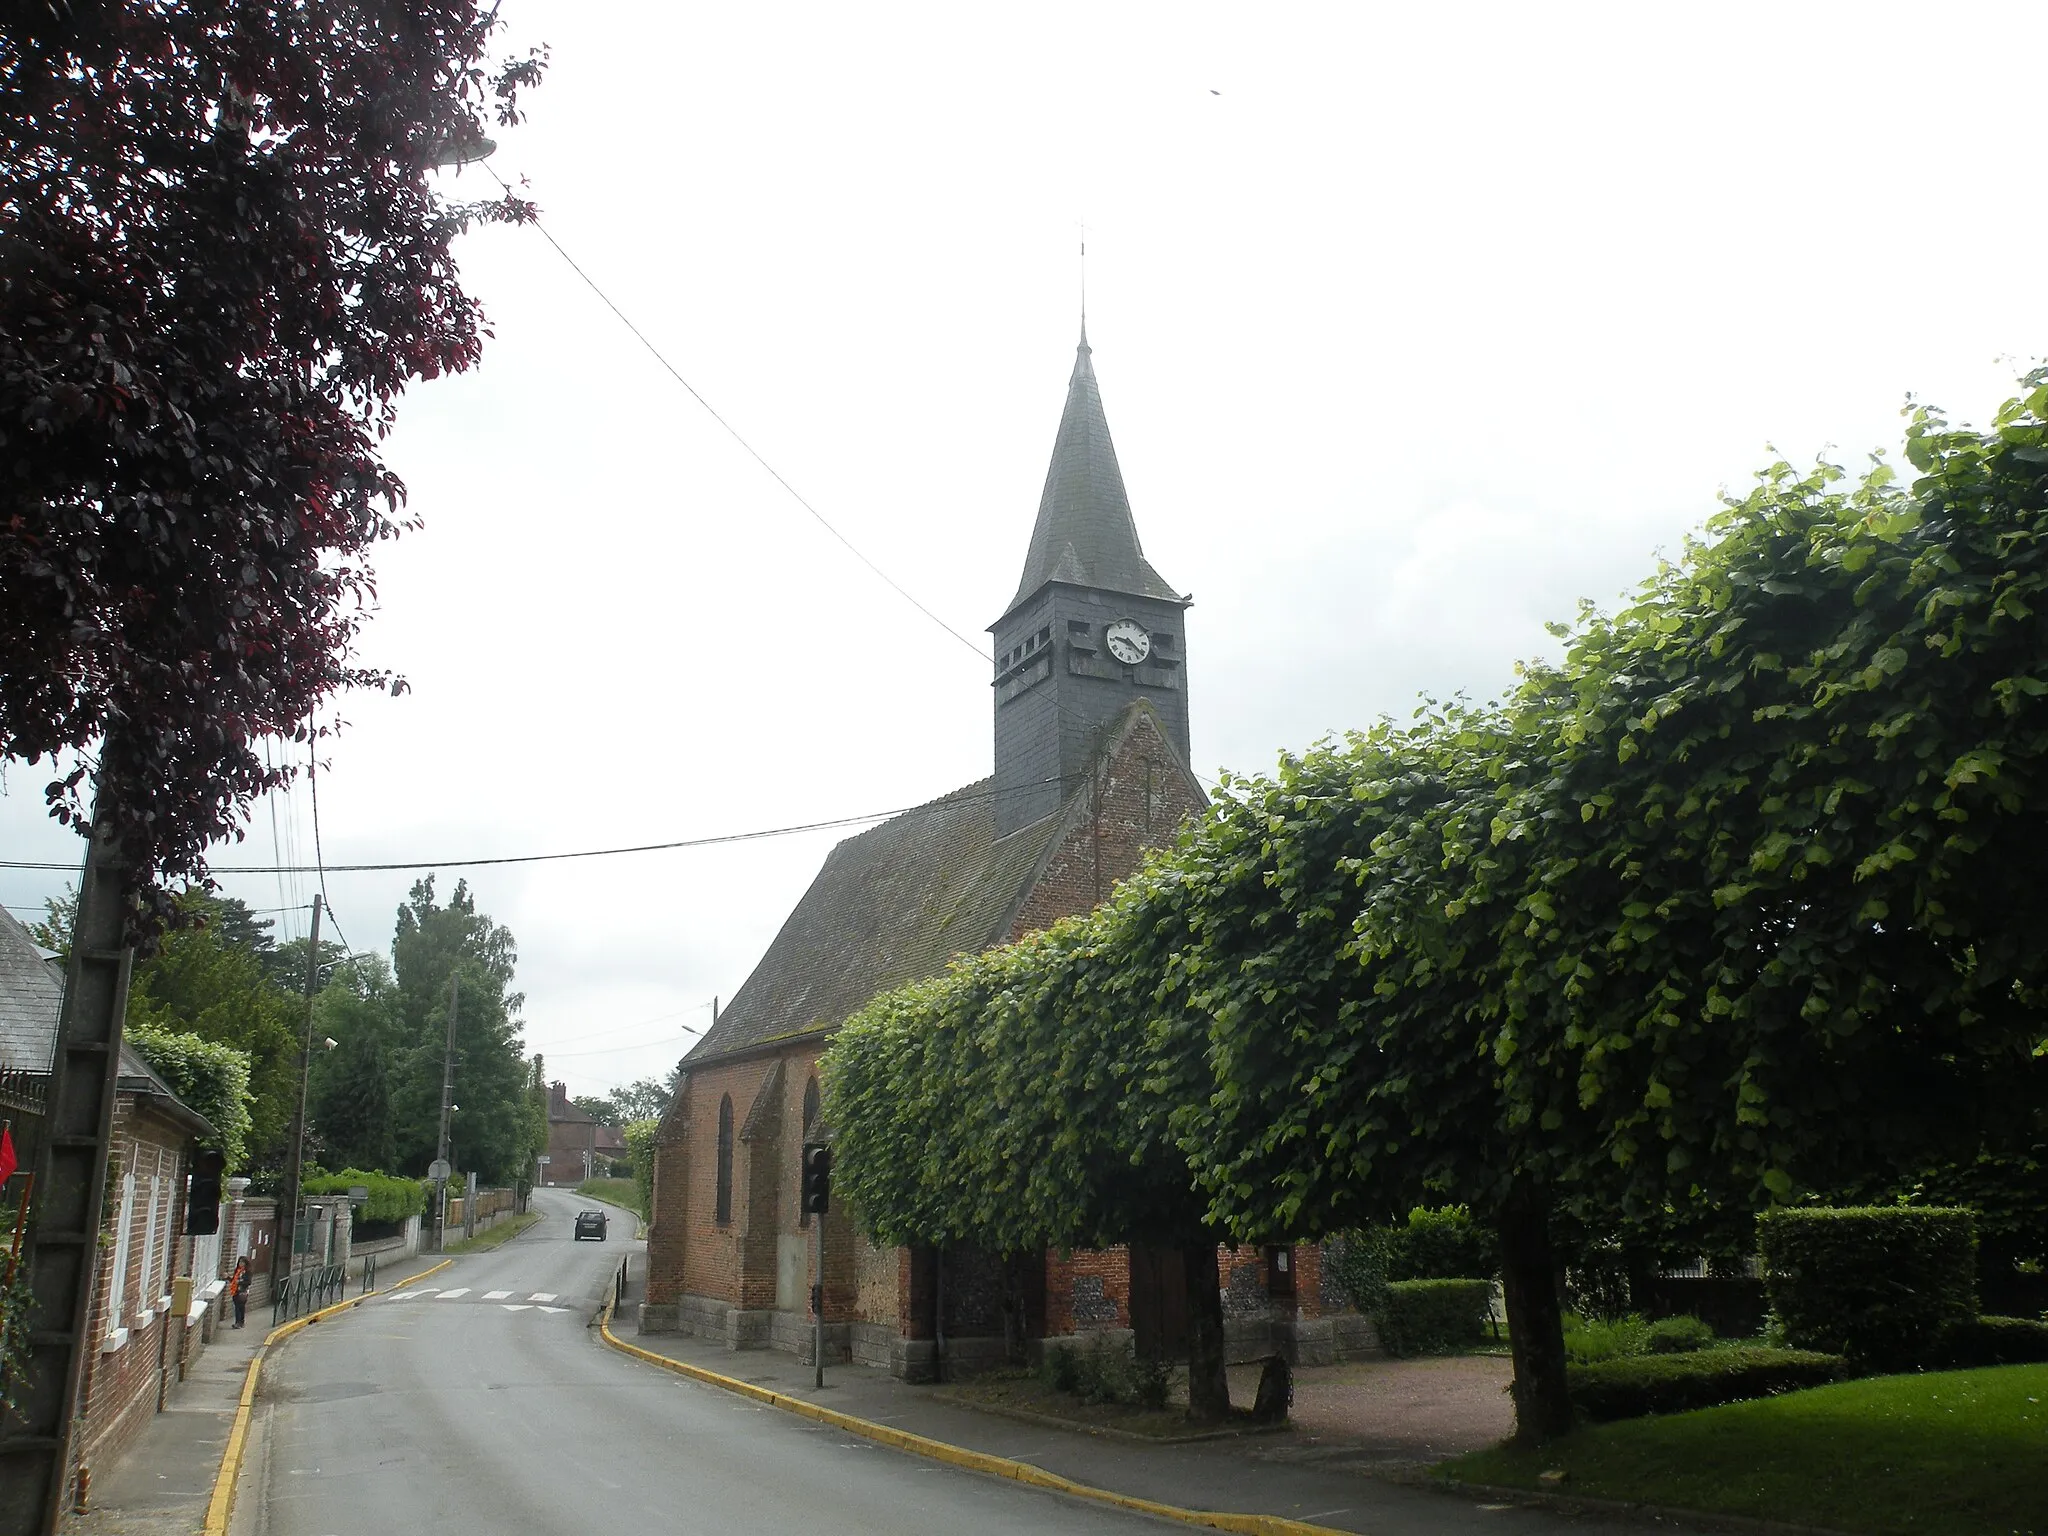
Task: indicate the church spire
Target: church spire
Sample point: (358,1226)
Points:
(1085,534)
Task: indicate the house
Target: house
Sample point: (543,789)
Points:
(140,1341)
(1090,705)
(578,1146)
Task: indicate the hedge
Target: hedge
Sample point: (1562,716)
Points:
(1640,1384)
(391,1199)
(1976,1341)
(206,1076)
(1434,1317)
(1877,1284)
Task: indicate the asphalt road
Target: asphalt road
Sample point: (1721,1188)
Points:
(491,1406)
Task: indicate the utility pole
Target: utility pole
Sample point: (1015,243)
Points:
(70,1178)
(441,1167)
(295,1165)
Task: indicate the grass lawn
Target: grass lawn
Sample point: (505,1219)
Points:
(491,1237)
(624,1192)
(1949,1453)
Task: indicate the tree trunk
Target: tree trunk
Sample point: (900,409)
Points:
(1528,1273)
(1208,1386)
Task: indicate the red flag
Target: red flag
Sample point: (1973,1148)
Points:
(6,1154)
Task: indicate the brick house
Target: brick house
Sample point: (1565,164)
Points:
(1091,768)
(578,1146)
(140,1342)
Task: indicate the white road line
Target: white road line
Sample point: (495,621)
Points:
(542,1296)
(496,1295)
(460,1290)
(516,1306)
(554,1309)
(407,1295)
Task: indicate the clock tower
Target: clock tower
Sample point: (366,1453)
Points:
(1092,627)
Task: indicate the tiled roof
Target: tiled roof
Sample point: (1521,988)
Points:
(1085,534)
(891,906)
(31,998)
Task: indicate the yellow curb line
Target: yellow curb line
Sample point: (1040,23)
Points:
(221,1507)
(959,1456)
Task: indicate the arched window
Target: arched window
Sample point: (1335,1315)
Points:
(725,1160)
(803,1217)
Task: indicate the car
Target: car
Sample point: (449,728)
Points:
(590,1224)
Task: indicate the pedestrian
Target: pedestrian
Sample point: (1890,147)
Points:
(238,1289)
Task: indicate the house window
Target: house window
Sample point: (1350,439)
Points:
(117,1331)
(1280,1272)
(725,1161)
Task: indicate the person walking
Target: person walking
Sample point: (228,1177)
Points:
(238,1289)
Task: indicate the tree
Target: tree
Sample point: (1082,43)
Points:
(199,983)
(1011,1104)
(222,259)
(647,1099)
(349,1110)
(493,1131)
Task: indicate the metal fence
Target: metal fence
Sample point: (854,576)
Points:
(309,1290)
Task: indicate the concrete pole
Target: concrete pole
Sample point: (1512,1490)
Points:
(294,1168)
(447,1098)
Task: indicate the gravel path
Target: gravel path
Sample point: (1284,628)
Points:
(1393,1413)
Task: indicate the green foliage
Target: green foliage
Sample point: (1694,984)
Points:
(1434,1317)
(640,1136)
(1357,1259)
(17,1314)
(1100,1371)
(349,1098)
(494,1133)
(1587,1340)
(1876,1283)
(1979,1341)
(202,981)
(1679,1336)
(1630,1386)
(1442,1244)
(211,1078)
(391,1199)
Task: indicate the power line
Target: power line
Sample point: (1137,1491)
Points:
(734,432)
(587,853)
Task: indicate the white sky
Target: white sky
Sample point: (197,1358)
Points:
(1414,325)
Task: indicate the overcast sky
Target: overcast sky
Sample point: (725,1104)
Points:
(1414,326)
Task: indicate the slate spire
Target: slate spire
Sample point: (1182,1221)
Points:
(1085,534)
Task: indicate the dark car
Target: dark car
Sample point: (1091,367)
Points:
(590,1224)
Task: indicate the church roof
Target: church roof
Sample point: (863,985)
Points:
(892,905)
(1085,534)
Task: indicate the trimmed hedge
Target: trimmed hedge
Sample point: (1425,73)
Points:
(391,1199)
(1434,1317)
(1993,1341)
(1642,1384)
(1877,1284)
(1679,1336)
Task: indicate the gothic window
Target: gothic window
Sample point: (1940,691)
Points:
(725,1161)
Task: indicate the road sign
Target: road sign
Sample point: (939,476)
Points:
(439,1170)
(543,1158)
(358,1193)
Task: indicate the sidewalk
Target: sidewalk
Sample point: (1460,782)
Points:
(1285,1474)
(162,1485)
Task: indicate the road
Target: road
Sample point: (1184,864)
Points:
(490,1406)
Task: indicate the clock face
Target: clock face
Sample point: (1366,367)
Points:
(1127,641)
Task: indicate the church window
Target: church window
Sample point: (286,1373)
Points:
(725,1161)
(1078,635)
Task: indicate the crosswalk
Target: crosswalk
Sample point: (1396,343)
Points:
(536,1301)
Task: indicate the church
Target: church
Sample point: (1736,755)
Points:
(1090,703)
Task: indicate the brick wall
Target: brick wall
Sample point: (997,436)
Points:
(1087,1289)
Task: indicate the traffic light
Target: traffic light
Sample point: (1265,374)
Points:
(817,1190)
(202,1197)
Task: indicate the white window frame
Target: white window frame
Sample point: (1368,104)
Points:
(117,1297)
(145,1312)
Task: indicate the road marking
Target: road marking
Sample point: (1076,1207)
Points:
(516,1306)
(554,1309)
(460,1290)
(496,1295)
(542,1296)
(407,1295)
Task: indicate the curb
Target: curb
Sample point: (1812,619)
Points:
(220,1508)
(958,1456)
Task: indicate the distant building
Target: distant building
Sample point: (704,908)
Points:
(579,1147)
(1090,704)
